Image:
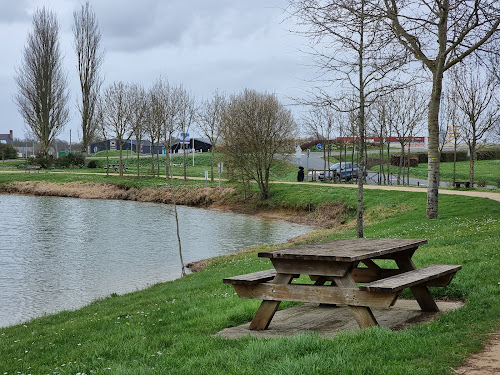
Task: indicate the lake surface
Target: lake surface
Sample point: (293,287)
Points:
(62,253)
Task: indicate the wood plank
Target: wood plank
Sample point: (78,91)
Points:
(312,267)
(267,309)
(421,293)
(367,275)
(315,294)
(252,278)
(346,250)
(363,315)
(411,278)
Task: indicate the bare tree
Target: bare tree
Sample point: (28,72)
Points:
(186,112)
(166,110)
(475,98)
(138,118)
(117,114)
(255,128)
(380,127)
(450,128)
(87,44)
(352,47)
(154,121)
(406,110)
(321,122)
(209,122)
(42,96)
(440,34)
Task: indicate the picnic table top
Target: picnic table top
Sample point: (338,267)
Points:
(345,250)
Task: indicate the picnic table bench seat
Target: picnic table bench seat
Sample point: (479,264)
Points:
(29,168)
(433,275)
(251,278)
(462,183)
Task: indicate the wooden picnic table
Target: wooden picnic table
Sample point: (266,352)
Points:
(115,167)
(342,263)
(462,183)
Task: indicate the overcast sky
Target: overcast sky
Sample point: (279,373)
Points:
(205,45)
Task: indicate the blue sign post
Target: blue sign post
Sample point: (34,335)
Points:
(319,146)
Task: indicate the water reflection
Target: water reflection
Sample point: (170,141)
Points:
(62,253)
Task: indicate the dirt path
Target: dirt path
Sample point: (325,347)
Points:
(486,362)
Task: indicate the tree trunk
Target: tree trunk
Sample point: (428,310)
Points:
(361,130)
(433,145)
(401,162)
(472,150)
(454,161)
(212,156)
(137,149)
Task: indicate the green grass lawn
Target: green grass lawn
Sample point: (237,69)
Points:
(485,170)
(281,170)
(169,328)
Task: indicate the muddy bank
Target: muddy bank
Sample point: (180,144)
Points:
(224,198)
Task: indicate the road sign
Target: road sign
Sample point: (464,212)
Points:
(319,146)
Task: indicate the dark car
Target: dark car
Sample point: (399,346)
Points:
(340,171)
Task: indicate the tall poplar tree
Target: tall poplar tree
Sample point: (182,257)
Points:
(42,95)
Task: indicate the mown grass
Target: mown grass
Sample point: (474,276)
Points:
(486,170)
(169,328)
(280,170)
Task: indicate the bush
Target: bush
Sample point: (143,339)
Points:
(488,155)
(445,156)
(92,164)
(70,160)
(44,161)
(414,160)
(481,183)
(7,151)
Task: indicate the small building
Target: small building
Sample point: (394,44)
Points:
(146,147)
(7,138)
(200,145)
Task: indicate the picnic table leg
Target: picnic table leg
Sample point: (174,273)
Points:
(267,309)
(421,293)
(363,315)
(321,281)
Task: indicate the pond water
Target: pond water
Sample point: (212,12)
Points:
(62,253)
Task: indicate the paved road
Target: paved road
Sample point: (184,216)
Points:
(316,161)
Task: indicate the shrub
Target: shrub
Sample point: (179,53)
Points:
(488,155)
(44,161)
(414,160)
(481,183)
(445,156)
(7,151)
(70,160)
(92,164)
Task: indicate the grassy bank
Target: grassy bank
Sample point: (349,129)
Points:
(169,328)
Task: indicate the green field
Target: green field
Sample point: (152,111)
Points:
(484,170)
(280,171)
(169,328)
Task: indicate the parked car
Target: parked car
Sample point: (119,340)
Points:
(340,171)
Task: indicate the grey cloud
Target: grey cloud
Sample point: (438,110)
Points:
(129,27)
(14,11)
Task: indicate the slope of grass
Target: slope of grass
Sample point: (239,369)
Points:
(170,327)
